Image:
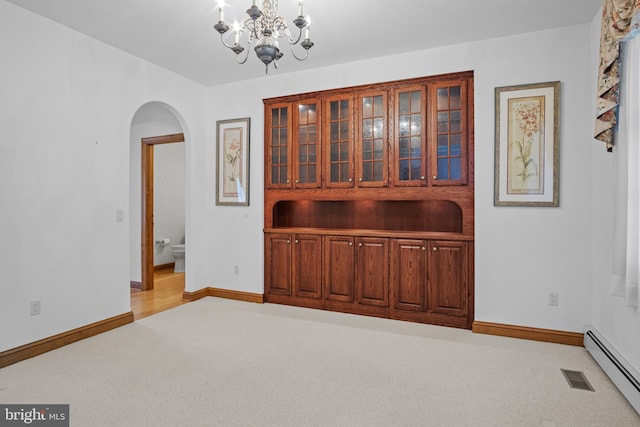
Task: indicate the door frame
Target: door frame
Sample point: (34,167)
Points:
(147,245)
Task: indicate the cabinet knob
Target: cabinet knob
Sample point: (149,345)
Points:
(288,181)
(435,178)
(350,243)
(422,177)
(360,179)
(360,244)
(350,179)
(296,241)
(288,241)
(424,249)
(297,181)
(435,249)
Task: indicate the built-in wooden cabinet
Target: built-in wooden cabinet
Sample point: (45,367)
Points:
(369,200)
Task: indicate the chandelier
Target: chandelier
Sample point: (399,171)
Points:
(265,27)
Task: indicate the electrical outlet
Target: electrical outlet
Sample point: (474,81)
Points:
(553,299)
(236,269)
(34,308)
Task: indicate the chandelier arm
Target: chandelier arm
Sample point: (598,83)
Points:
(248,25)
(291,42)
(293,52)
(246,55)
(230,46)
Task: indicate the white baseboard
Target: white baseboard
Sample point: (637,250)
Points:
(615,366)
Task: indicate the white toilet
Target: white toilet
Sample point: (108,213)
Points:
(178,253)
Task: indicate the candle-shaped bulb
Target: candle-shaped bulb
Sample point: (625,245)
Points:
(306,30)
(221,10)
(236,28)
(299,7)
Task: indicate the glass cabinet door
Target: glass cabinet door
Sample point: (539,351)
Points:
(338,140)
(278,146)
(448,136)
(410,157)
(307,144)
(372,144)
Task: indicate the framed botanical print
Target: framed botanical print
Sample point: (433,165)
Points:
(232,157)
(527,145)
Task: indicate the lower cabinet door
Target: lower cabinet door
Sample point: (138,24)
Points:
(339,277)
(448,278)
(278,264)
(307,266)
(409,275)
(372,271)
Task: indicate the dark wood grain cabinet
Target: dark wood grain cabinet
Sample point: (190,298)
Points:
(369,200)
(292,267)
(307,271)
(430,281)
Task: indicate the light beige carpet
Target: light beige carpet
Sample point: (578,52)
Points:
(217,362)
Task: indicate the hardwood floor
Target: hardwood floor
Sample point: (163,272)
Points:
(167,291)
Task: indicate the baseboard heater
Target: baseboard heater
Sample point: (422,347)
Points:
(617,369)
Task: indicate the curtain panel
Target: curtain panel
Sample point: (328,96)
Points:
(620,20)
(626,238)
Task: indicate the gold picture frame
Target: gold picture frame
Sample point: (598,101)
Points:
(527,145)
(232,159)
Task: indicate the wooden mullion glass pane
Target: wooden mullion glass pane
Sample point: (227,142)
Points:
(339,140)
(372,128)
(307,143)
(410,135)
(279,145)
(449,133)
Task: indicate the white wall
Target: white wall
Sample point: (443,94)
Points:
(168,203)
(66,106)
(522,254)
(618,324)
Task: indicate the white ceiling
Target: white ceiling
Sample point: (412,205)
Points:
(178,34)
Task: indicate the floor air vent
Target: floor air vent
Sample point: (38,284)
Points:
(576,379)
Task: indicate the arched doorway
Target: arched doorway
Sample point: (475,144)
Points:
(154,125)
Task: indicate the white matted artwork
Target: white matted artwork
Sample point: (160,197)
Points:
(232,156)
(526,146)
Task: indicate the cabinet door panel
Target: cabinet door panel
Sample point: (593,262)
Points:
(339,268)
(449,134)
(409,275)
(409,148)
(306,142)
(338,141)
(372,273)
(448,277)
(278,264)
(372,142)
(307,275)
(278,146)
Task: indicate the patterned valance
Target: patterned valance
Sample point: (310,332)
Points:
(620,20)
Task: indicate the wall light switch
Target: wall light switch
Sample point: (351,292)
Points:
(34,308)
(119,215)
